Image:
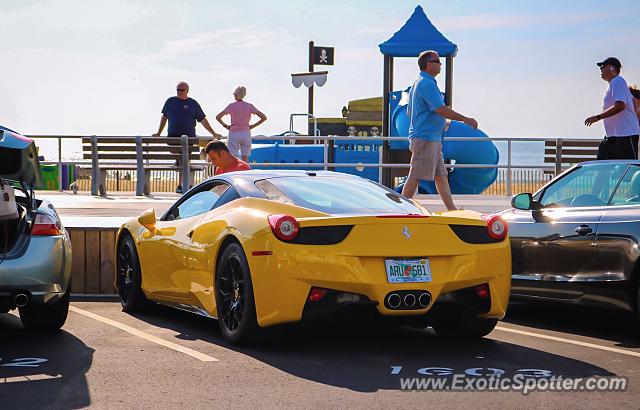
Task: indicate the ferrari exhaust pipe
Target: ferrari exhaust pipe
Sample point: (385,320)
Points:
(424,299)
(394,300)
(409,300)
(21,300)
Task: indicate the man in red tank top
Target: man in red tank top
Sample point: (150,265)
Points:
(224,161)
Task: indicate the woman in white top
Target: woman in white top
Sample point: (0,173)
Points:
(240,129)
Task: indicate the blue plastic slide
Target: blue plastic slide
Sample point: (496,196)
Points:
(461,180)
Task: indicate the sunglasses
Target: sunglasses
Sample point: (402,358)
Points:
(434,61)
(181,89)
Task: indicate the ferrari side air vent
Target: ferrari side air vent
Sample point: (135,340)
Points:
(322,235)
(474,234)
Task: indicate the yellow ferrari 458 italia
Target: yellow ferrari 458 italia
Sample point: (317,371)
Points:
(259,248)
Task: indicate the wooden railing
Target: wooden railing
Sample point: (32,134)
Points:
(512,177)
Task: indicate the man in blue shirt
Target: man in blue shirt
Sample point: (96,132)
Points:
(182,113)
(427,114)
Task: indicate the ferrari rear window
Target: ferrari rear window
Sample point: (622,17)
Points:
(337,195)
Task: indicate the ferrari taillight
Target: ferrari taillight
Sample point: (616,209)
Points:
(45,225)
(483,291)
(284,227)
(497,227)
(317,294)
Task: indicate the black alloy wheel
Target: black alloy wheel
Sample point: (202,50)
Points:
(129,278)
(234,296)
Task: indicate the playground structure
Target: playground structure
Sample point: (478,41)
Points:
(387,116)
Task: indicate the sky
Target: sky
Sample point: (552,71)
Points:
(83,67)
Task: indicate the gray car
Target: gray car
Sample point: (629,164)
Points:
(35,249)
(577,239)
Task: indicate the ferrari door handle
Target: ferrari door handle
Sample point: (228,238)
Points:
(583,230)
(190,234)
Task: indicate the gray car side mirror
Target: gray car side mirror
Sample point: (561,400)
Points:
(523,202)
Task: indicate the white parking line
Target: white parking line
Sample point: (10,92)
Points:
(29,378)
(190,352)
(569,341)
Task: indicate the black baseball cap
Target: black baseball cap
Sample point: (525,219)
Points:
(612,61)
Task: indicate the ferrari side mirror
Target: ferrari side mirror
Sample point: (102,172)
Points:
(148,220)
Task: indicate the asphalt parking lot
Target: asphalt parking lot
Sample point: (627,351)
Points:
(104,358)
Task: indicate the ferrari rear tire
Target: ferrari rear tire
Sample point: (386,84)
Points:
(234,297)
(467,327)
(46,316)
(129,277)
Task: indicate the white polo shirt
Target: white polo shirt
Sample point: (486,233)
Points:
(625,122)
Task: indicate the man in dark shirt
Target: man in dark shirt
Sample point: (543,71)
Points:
(182,113)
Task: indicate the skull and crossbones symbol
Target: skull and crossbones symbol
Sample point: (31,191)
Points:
(323,56)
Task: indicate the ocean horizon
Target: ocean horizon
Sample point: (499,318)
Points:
(525,152)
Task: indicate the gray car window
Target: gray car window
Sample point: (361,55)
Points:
(588,185)
(628,191)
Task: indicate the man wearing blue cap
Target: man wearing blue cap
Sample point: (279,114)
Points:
(618,114)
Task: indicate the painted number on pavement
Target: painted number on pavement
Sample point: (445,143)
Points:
(25,362)
(474,371)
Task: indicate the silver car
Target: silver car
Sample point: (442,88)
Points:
(577,240)
(35,249)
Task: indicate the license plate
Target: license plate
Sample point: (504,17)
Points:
(408,270)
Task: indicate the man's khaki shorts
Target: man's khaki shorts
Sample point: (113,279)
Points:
(426,160)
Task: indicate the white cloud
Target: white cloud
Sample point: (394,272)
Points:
(221,40)
(496,20)
(480,21)
(77,15)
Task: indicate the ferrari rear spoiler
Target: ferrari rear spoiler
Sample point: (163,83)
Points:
(391,219)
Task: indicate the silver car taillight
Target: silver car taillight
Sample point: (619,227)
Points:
(46,225)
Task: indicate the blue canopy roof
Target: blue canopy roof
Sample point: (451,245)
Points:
(417,35)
